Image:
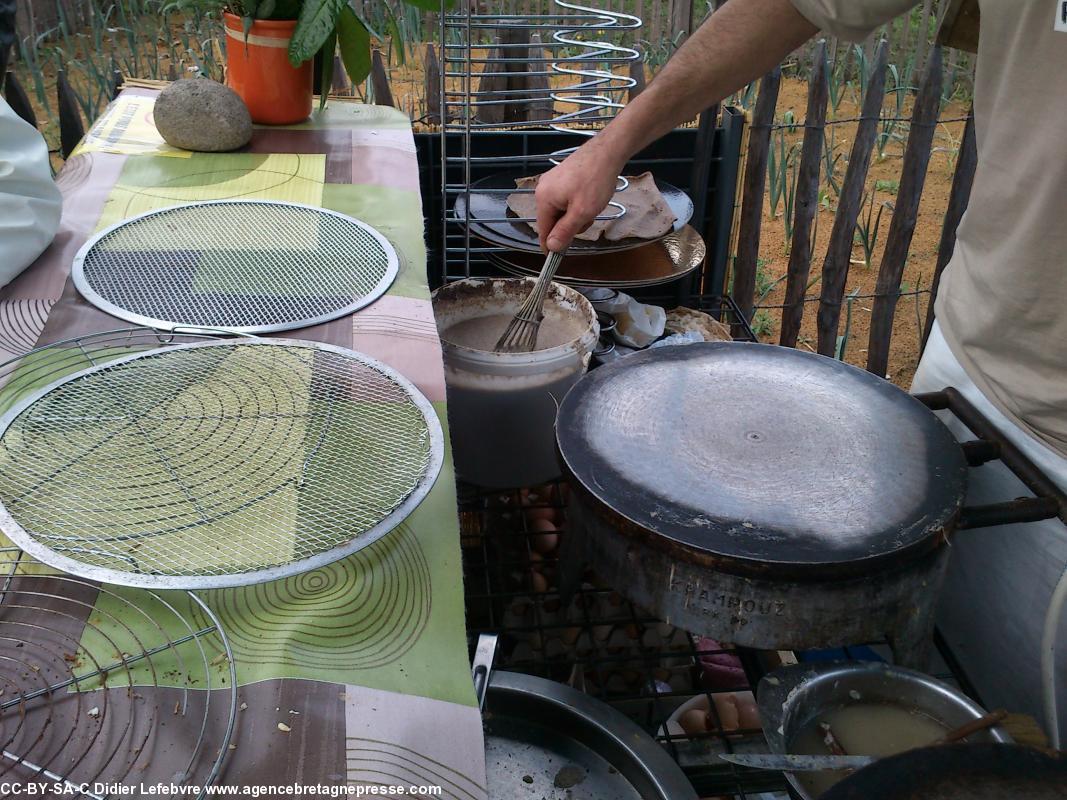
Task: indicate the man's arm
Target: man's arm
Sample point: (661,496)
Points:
(739,42)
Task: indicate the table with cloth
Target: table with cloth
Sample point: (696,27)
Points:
(355,673)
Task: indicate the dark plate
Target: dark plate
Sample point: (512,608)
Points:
(488,205)
(764,456)
(958,772)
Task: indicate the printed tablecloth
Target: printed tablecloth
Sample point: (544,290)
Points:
(356,673)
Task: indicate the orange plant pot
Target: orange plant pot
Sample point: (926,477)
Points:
(258,69)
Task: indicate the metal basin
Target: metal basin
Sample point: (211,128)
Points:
(790,698)
(546,741)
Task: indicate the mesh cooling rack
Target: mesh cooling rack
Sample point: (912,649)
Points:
(210,463)
(89,673)
(237,266)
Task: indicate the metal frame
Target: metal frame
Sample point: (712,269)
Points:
(27,542)
(90,294)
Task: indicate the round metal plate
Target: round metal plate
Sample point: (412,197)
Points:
(547,740)
(674,256)
(242,266)
(215,464)
(760,458)
(488,201)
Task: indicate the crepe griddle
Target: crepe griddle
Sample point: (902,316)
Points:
(674,256)
(958,772)
(490,218)
(761,460)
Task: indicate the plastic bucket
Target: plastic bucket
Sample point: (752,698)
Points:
(502,406)
(258,69)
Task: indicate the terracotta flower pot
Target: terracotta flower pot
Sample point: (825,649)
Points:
(258,69)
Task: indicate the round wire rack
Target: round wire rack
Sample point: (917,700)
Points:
(240,266)
(91,675)
(207,463)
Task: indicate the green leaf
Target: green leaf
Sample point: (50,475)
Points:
(287,9)
(317,21)
(326,82)
(398,40)
(429,5)
(354,40)
(265,9)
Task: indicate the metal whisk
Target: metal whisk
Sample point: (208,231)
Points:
(521,334)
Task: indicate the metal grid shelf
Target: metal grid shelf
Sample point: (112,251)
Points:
(606,646)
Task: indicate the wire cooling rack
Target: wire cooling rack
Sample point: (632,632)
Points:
(89,674)
(207,464)
(247,266)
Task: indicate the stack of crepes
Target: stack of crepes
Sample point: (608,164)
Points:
(647,214)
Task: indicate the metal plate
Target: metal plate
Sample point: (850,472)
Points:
(674,256)
(243,266)
(488,201)
(215,464)
(546,740)
(959,772)
(759,458)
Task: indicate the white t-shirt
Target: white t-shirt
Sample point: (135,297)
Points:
(30,203)
(1002,304)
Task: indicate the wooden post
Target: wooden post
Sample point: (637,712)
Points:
(962,180)
(637,73)
(71,126)
(432,72)
(807,200)
(541,107)
(491,82)
(755,182)
(383,95)
(518,46)
(681,19)
(901,229)
(839,251)
(18,99)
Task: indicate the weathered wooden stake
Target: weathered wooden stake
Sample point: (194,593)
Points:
(71,126)
(807,200)
(637,73)
(432,71)
(744,273)
(383,95)
(492,82)
(902,228)
(18,99)
(839,251)
(962,181)
(542,107)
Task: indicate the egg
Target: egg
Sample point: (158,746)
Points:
(538,582)
(540,513)
(545,539)
(694,721)
(748,714)
(726,708)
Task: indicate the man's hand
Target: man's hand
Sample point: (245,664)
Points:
(570,196)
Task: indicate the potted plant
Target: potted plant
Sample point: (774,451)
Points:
(271,46)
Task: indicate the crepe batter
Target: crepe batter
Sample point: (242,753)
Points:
(863,729)
(482,333)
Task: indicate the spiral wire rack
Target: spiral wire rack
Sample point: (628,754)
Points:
(581,58)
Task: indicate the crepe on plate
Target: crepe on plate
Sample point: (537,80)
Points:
(647,214)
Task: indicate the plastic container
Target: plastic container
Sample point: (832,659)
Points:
(258,69)
(502,406)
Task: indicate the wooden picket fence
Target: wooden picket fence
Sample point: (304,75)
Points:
(837,259)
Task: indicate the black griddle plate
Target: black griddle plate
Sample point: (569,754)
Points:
(959,772)
(488,200)
(758,459)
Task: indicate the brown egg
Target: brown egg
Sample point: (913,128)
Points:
(540,513)
(748,714)
(726,708)
(538,582)
(545,538)
(693,721)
